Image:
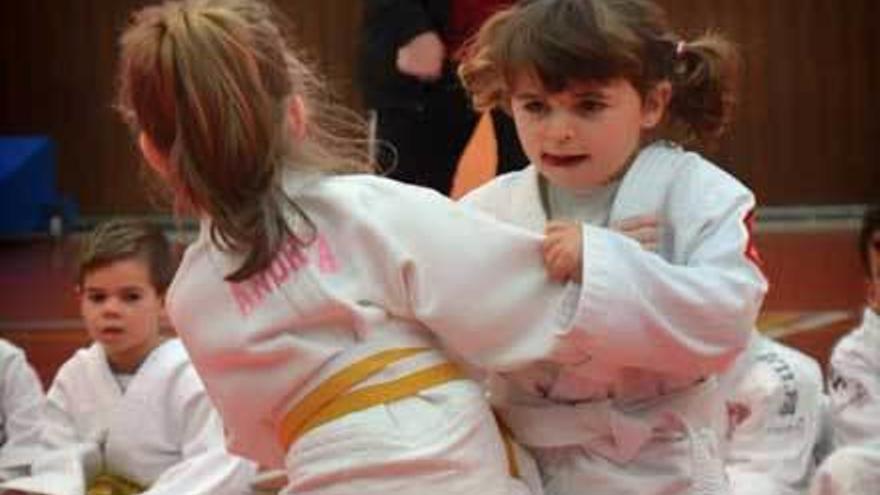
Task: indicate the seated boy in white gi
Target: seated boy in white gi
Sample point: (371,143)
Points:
(22,405)
(854,378)
(774,419)
(129,414)
(854,387)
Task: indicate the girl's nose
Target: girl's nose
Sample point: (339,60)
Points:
(560,129)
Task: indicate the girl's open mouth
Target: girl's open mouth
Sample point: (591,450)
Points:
(562,160)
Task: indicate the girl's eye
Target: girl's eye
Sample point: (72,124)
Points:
(534,107)
(96,297)
(591,106)
(130,297)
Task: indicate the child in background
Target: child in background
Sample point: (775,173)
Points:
(853,469)
(128,414)
(854,386)
(315,301)
(22,407)
(776,417)
(854,377)
(589,83)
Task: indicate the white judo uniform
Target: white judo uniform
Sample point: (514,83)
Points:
(391,266)
(22,407)
(854,384)
(775,416)
(642,413)
(162,432)
(851,470)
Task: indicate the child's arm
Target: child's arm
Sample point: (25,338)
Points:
(691,314)
(477,283)
(562,250)
(205,467)
(774,421)
(563,247)
(854,389)
(22,405)
(67,460)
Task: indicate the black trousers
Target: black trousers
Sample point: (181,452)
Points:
(510,153)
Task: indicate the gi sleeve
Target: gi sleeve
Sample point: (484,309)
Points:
(477,283)
(60,429)
(686,317)
(67,460)
(775,419)
(854,387)
(22,407)
(205,467)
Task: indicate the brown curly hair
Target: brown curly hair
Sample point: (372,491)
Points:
(562,41)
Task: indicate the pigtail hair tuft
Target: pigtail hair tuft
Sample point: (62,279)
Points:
(704,75)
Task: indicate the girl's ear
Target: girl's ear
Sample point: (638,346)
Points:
(872,293)
(164,319)
(155,159)
(655,103)
(297,114)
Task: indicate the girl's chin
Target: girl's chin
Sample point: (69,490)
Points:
(109,337)
(564,178)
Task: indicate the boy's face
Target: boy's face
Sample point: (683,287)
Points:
(122,311)
(874,268)
(585,135)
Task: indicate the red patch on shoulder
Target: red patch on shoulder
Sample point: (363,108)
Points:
(751,251)
(737,413)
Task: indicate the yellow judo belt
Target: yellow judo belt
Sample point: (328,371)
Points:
(111,484)
(332,399)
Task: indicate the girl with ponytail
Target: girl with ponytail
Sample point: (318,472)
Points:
(318,299)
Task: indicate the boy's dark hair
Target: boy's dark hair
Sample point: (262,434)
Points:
(121,239)
(870,225)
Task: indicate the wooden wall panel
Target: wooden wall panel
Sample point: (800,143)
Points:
(329,31)
(808,127)
(57,62)
(808,131)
